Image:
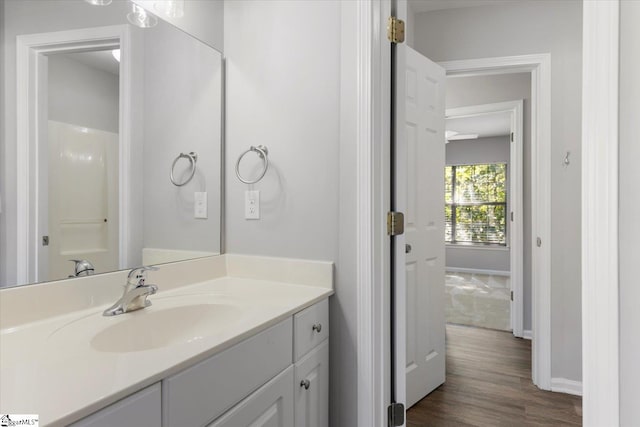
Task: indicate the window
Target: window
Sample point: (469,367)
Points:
(476,204)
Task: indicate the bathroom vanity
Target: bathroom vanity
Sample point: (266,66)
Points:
(246,346)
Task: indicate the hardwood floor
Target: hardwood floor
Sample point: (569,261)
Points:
(489,384)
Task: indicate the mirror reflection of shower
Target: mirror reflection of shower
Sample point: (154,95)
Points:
(80,186)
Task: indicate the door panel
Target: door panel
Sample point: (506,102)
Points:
(424,231)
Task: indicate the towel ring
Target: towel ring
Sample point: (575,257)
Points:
(263,153)
(193,158)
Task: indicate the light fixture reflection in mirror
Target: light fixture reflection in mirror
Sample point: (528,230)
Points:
(170,8)
(141,18)
(116,54)
(99,2)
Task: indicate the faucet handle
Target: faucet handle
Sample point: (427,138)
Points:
(138,272)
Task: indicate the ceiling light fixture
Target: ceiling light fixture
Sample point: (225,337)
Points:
(99,2)
(141,18)
(170,8)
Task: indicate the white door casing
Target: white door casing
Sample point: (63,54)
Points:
(424,225)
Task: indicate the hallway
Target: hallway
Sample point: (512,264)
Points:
(489,384)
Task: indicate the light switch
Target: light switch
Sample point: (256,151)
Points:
(252,204)
(200,204)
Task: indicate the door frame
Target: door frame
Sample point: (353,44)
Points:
(515,205)
(600,233)
(599,228)
(539,66)
(31,51)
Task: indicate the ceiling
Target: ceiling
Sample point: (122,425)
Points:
(421,6)
(485,125)
(102,60)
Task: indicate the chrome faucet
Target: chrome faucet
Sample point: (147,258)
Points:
(82,268)
(135,293)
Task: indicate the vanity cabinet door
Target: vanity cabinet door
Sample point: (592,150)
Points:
(142,409)
(312,388)
(269,406)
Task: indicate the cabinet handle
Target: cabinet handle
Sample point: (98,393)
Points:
(305,383)
(317,327)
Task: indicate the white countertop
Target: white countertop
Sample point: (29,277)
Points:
(48,367)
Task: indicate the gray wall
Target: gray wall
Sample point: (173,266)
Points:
(519,28)
(182,113)
(469,152)
(287,96)
(82,95)
(466,91)
(629,212)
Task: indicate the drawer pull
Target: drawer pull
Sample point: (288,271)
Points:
(317,327)
(305,383)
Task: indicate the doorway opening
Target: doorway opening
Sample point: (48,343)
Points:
(484,208)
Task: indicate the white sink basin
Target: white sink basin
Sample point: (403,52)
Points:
(162,328)
(164,324)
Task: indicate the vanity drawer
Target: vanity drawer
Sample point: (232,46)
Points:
(310,328)
(141,409)
(205,391)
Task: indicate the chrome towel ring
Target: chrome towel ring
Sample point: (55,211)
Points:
(193,158)
(263,153)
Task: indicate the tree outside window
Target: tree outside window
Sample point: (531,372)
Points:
(476,204)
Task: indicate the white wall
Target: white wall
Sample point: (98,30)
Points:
(530,27)
(468,152)
(283,90)
(466,91)
(629,212)
(82,95)
(182,113)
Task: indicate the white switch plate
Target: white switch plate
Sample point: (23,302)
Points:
(200,204)
(252,204)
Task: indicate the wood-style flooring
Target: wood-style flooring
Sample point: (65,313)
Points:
(488,383)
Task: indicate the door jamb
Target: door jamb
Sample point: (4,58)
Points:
(28,59)
(516,228)
(600,233)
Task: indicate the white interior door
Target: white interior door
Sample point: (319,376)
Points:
(83,198)
(424,225)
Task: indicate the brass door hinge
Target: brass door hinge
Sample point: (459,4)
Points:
(395,223)
(395,30)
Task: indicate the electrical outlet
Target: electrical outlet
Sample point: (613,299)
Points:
(200,204)
(252,204)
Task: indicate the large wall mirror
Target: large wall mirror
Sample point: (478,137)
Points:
(112,140)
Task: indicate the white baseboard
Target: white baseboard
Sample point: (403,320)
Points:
(563,385)
(478,271)
(527,334)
